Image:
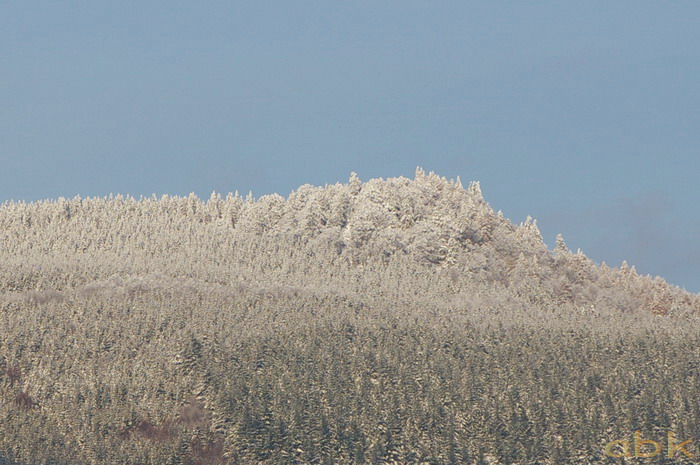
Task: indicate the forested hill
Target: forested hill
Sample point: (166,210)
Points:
(398,238)
(386,322)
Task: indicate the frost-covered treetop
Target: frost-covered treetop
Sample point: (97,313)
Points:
(428,233)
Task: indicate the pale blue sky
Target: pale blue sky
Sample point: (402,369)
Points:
(584,115)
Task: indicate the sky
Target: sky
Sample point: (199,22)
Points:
(583,115)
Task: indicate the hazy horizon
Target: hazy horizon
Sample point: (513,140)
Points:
(582,116)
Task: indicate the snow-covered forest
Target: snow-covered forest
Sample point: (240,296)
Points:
(390,321)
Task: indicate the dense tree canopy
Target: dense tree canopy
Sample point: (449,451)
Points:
(391,321)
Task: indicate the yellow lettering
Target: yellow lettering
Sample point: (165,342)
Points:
(638,443)
(673,448)
(625,448)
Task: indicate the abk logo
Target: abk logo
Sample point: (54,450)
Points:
(621,447)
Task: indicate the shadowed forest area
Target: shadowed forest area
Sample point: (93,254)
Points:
(397,321)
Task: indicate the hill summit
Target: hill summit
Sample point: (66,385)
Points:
(426,234)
